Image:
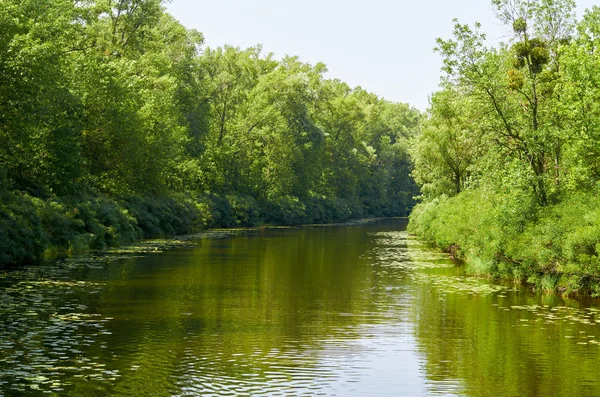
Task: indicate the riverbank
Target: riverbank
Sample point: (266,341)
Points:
(555,248)
(122,125)
(36,228)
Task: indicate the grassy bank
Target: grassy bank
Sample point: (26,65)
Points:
(553,248)
(33,228)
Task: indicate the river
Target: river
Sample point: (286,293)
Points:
(351,310)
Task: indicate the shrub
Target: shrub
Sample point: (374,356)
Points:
(556,247)
(22,238)
(285,210)
(245,210)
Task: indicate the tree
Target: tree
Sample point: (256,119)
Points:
(39,116)
(446,151)
(515,86)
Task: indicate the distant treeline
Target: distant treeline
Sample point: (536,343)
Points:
(509,155)
(116,124)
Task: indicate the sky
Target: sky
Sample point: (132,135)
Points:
(384,46)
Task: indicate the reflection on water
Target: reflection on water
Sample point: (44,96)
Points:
(346,311)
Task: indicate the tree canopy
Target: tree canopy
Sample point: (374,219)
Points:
(116,99)
(513,135)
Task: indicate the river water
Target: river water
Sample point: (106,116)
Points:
(315,311)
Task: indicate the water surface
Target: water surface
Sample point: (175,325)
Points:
(333,311)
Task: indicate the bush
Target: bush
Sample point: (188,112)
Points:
(215,211)
(245,210)
(22,237)
(163,216)
(33,227)
(553,248)
(286,210)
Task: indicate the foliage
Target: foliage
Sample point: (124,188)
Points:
(116,124)
(512,138)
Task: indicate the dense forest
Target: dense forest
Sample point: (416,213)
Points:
(117,123)
(509,154)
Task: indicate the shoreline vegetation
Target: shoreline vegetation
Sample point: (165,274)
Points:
(552,249)
(508,157)
(38,229)
(55,228)
(118,124)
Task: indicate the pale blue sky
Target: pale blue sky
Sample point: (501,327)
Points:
(384,46)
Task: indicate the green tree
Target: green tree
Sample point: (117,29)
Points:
(515,88)
(446,151)
(39,116)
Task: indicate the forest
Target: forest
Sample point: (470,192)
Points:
(508,156)
(117,123)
